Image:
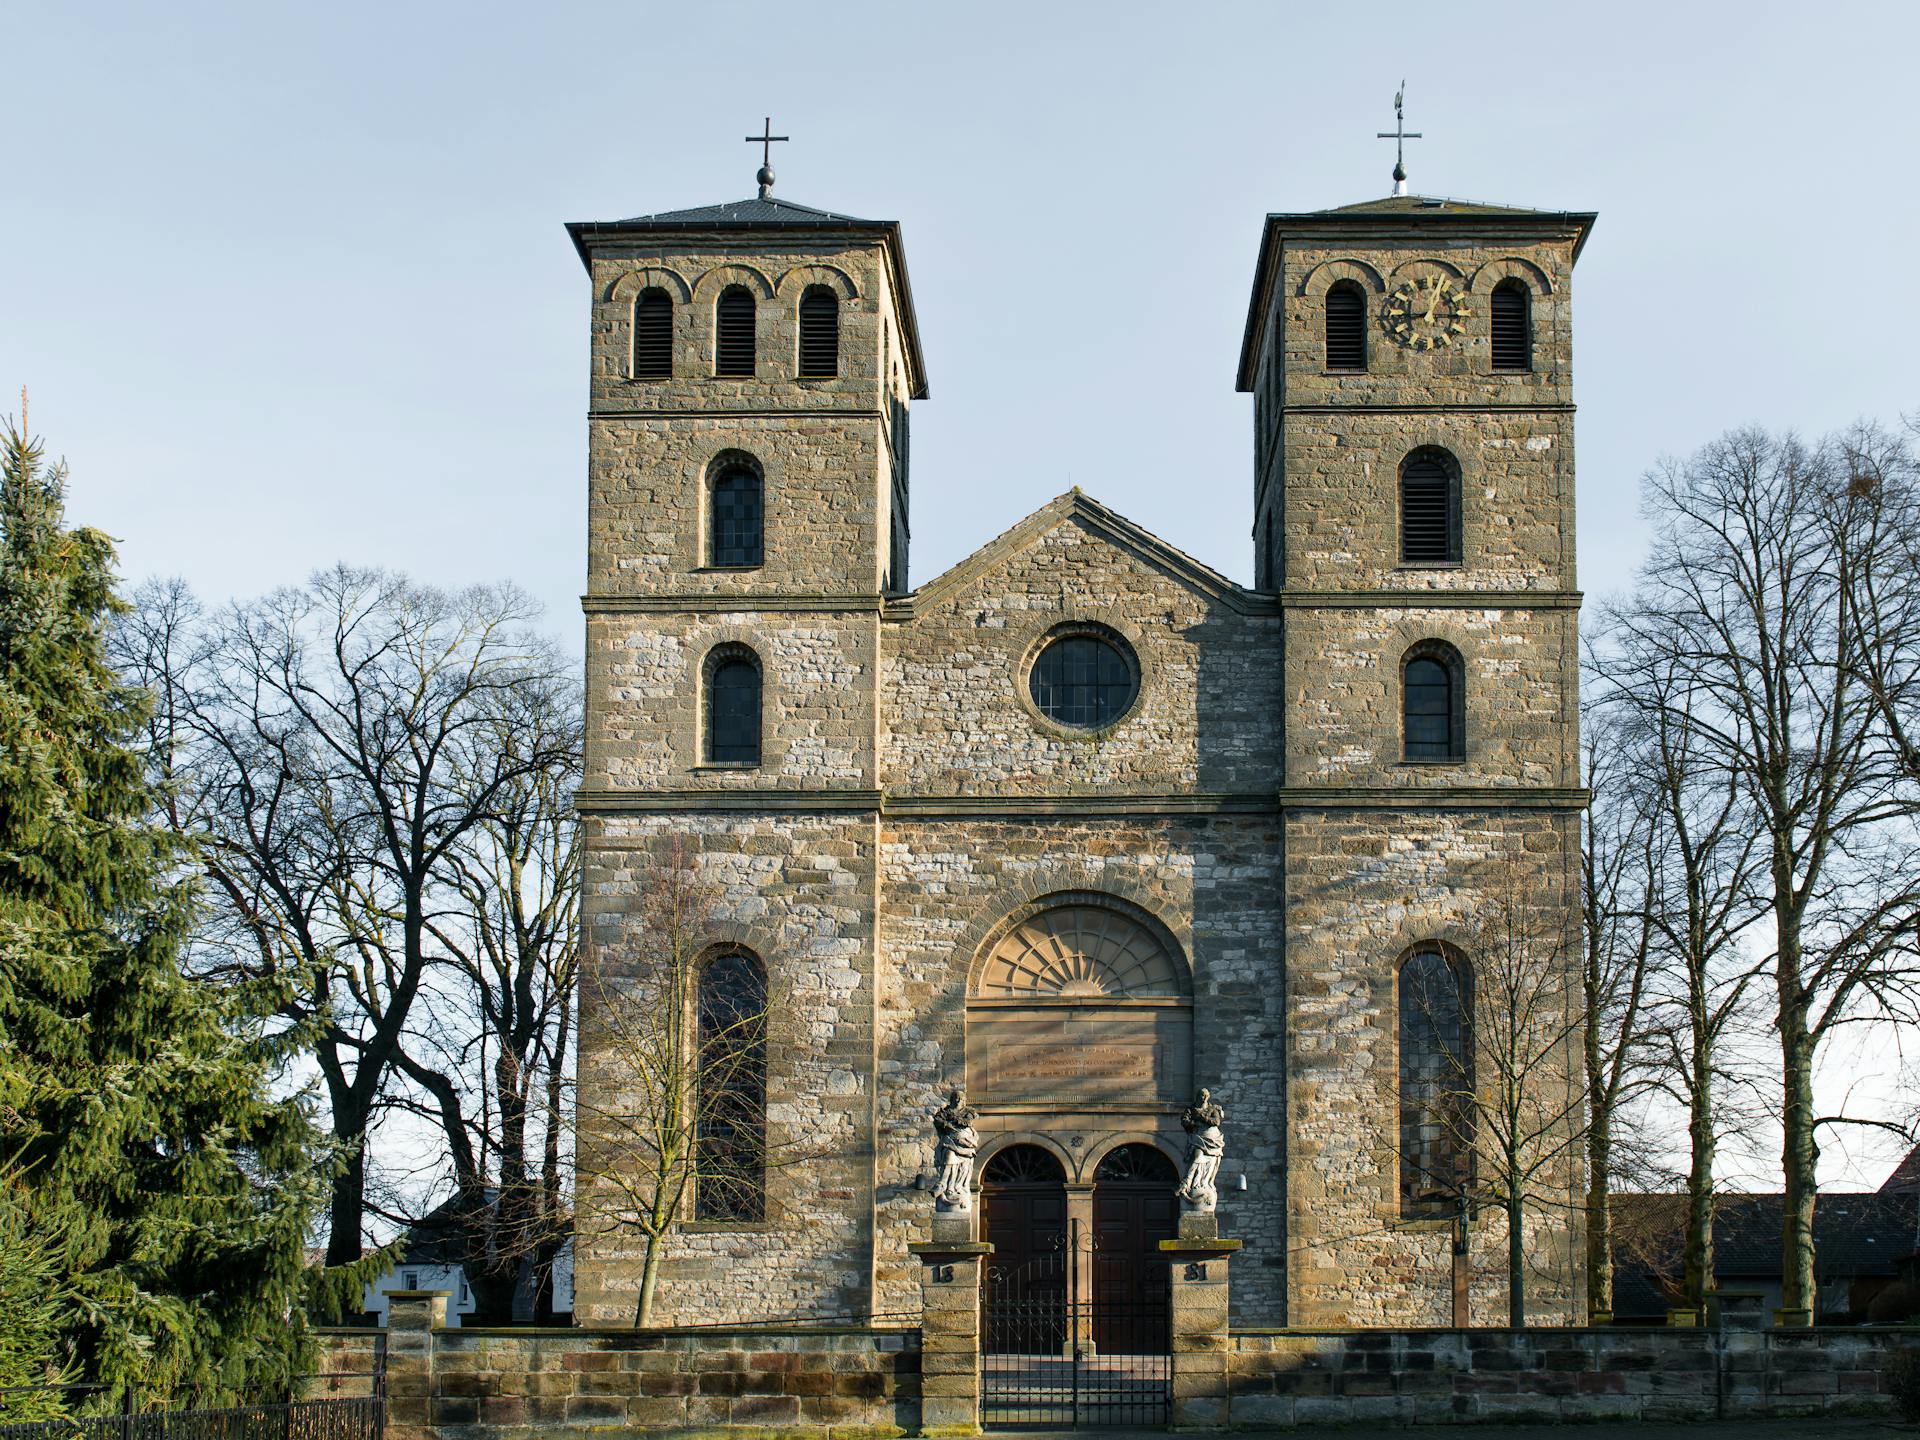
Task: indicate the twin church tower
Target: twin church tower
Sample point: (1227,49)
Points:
(1082,824)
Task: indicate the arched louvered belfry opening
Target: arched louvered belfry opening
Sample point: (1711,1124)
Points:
(1346,326)
(733,321)
(732,729)
(1512,326)
(730,1092)
(1433,703)
(1436,1081)
(653,335)
(1430,508)
(819,334)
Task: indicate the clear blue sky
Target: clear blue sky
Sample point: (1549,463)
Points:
(289,284)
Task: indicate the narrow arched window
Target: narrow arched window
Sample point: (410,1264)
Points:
(1432,703)
(733,707)
(1429,508)
(819,334)
(736,529)
(1346,327)
(1512,326)
(1436,1084)
(733,333)
(653,335)
(730,1094)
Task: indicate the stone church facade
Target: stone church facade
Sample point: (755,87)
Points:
(1081,824)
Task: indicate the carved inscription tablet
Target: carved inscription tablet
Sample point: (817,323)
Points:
(1092,1056)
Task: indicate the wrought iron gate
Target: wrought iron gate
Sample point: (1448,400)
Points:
(1076,1339)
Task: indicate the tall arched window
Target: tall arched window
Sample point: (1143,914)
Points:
(1512,326)
(1436,1083)
(730,1094)
(819,334)
(653,335)
(1433,703)
(1429,508)
(1346,327)
(736,530)
(733,333)
(733,707)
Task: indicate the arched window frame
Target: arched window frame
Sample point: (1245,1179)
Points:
(730,1087)
(735,513)
(729,749)
(736,318)
(1343,293)
(819,332)
(1416,546)
(1505,358)
(1436,1120)
(1444,655)
(652,350)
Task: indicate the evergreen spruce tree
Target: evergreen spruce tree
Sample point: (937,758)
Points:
(135,1100)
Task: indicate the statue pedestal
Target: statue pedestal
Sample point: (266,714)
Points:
(1200,1343)
(950,1327)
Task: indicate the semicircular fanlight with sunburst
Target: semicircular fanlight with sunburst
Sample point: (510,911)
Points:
(1080,951)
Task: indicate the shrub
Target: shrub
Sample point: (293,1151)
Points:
(1901,1376)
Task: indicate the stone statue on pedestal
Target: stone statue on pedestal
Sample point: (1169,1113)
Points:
(1205,1146)
(959,1143)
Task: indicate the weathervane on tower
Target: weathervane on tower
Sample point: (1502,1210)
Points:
(765,140)
(1399,135)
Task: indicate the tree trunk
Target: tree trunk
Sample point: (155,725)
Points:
(1516,1265)
(1799,1159)
(1599,1214)
(1698,1262)
(649,1281)
(346,1213)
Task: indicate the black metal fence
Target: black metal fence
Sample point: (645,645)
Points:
(1066,1348)
(356,1417)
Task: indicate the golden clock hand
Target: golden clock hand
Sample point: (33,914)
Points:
(1435,300)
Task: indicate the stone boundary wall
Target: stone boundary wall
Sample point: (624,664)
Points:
(481,1382)
(860,1383)
(1438,1377)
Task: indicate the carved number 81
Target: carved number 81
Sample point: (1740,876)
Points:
(1197,1271)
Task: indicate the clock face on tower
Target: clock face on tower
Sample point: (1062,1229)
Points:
(1426,314)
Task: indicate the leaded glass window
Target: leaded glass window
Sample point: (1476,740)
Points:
(1430,709)
(733,709)
(731,1124)
(735,533)
(1436,1085)
(1084,681)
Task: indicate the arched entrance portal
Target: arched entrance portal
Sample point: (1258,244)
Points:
(1023,1215)
(1133,1211)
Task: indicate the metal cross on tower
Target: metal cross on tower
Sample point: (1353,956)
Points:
(1400,135)
(765,140)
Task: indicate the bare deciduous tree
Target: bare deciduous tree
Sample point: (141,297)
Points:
(1776,586)
(333,748)
(671,1106)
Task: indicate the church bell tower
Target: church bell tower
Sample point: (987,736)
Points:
(751,367)
(1411,363)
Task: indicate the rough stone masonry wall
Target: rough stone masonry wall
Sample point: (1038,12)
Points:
(1212,881)
(958,718)
(821,442)
(796,890)
(1363,886)
(1440,1377)
(830,1381)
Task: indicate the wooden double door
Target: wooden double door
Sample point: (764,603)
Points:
(1101,1271)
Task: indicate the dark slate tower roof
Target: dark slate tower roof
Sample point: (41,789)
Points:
(762,214)
(1390,213)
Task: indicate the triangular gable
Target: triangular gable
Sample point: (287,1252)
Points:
(1110,526)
